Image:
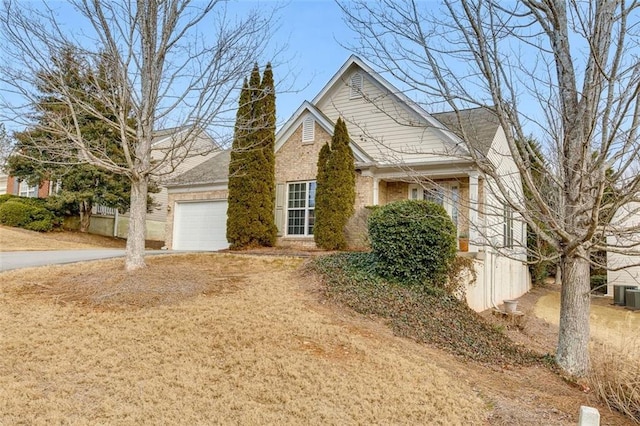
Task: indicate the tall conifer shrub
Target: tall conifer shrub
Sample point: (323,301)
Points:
(336,190)
(250,215)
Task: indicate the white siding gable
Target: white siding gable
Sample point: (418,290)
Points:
(385,128)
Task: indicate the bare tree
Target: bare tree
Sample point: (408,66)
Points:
(567,73)
(170,63)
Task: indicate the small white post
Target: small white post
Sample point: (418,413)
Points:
(589,416)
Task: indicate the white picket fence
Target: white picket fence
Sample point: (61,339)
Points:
(103,210)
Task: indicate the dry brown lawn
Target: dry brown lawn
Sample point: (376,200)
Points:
(236,339)
(612,325)
(16,239)
(205,339)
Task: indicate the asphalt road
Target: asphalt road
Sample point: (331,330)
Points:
(28,259)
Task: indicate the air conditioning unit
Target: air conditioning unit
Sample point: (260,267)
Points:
(619,293)
(632,298)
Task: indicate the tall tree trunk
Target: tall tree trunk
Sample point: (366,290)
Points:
(137,225)
(573,340)
(85,215)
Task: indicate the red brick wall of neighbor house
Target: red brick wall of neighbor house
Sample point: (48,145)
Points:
(13,187)
(43,189)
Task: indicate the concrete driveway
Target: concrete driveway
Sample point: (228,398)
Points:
(27,259)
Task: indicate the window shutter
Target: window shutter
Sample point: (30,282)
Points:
(308,133)
(280,211)
(356,86)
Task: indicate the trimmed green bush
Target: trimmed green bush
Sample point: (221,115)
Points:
(414,242)
(28,214)
(15,213)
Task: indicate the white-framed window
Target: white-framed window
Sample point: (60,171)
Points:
(447,194)
(356,84)
(508,227)
(26,190)
(301,202)
(308,129)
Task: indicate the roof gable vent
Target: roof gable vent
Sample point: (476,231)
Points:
(308,131)
(356,84)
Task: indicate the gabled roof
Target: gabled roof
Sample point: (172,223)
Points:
(214,170)
(296,120)
(480,122)
(399,96)
(163,135)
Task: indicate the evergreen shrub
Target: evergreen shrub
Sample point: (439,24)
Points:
(15,213)
(414,242)
(27,213)
(336,190)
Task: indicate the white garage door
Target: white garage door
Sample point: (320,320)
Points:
(200,226)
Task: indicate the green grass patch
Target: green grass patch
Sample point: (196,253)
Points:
(424,314)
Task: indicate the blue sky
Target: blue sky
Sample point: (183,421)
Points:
(308,30)
(312,29)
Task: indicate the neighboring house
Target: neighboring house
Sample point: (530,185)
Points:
(623,265)
(3,183)
(401,152)
(15,186)
(194,147)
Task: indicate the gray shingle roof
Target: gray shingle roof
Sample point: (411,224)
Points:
(478,124)
(213,170)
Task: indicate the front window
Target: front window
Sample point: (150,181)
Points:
(301,208)
(445,194)
(26,190)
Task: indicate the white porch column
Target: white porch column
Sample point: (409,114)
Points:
(474,223)
(376,182)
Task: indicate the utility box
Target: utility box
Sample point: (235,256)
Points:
(619,293)
(632,299)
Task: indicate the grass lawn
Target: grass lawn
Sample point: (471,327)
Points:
(16,239)
(206,339)
(240,339)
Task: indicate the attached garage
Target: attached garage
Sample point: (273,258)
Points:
(197,206)
(200,225)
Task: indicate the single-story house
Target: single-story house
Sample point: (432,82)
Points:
(401,152)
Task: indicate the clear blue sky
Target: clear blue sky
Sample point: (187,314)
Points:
(313,30)
(308,29)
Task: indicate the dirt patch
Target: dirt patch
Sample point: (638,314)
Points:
(167,280)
